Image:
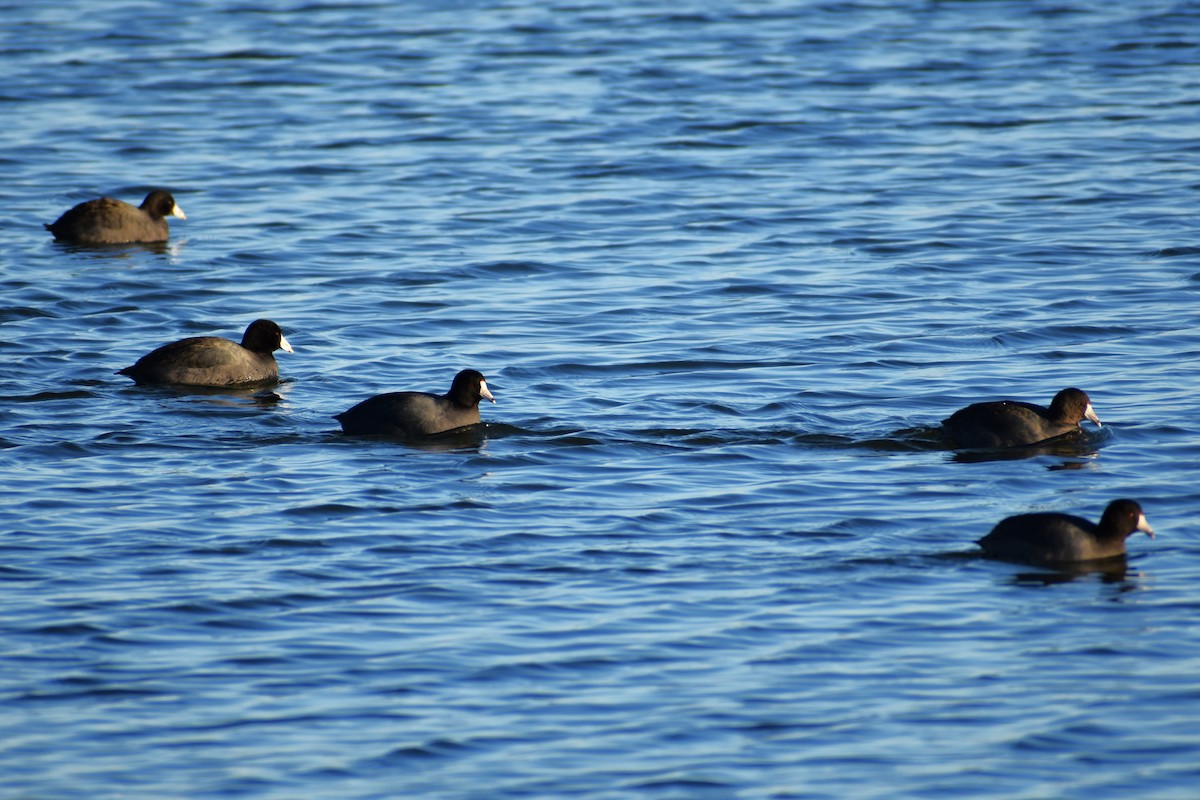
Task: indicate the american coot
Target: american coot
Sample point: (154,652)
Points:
(1009,423)
(409,414)
(107,220)
(1052,538)
(213,361)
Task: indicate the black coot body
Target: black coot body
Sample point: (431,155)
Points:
(1052,538)
(107,220)
(213,361)
(1009,423)
(412,414)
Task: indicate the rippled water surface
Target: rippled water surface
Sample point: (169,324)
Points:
(724,266)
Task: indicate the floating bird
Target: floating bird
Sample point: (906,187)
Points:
(107,220)
(411,414)
(1052,538)
(213,361)
(1009,423)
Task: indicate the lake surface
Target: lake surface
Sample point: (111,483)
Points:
(724,266)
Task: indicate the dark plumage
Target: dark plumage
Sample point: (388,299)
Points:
(410,414)
(1009,423)
(1052,538)
(213,361)
(107,220)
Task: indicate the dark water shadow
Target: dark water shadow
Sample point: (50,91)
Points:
(49,395)
(118,251)
(469,439)
(682,438)
(1113,570)
(1110,571)
(1079,446)
(1074,447)
(921,439)
(261,394)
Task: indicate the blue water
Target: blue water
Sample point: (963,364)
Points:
(722,265)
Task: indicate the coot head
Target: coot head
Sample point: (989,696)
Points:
(264,336)
(468,388)
(1124,517)
(160,203)
(1073,405)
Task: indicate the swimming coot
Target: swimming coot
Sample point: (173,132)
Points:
(1009,423)
(409,414)
(1052,538)
(107,220)
(213,361)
